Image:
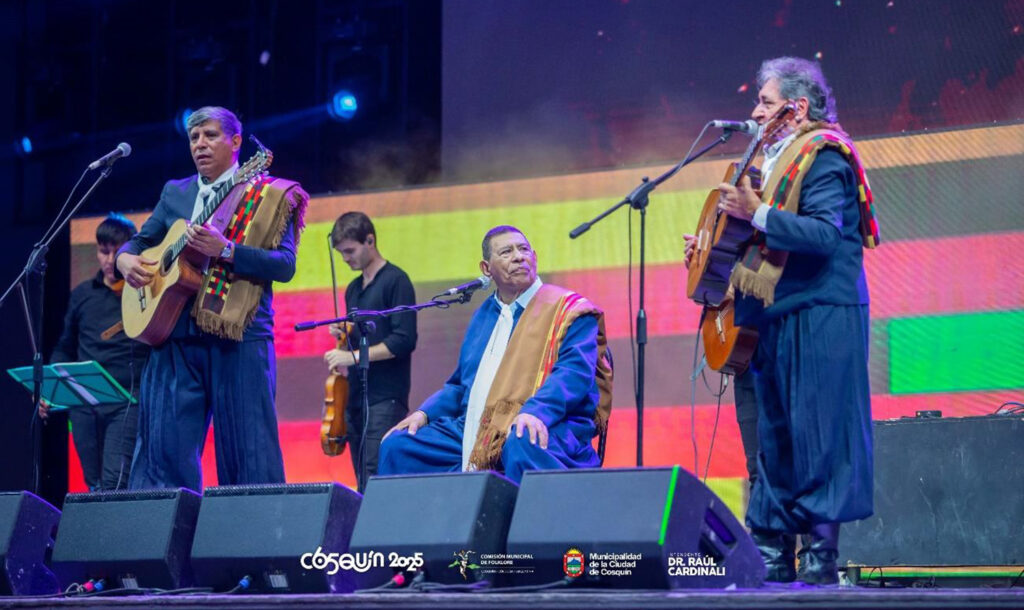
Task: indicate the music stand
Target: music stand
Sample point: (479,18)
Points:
(67,385)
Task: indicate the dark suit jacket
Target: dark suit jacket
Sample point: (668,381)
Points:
(278,265)
(826,256)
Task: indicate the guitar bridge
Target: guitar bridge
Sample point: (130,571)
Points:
(703,240)
(142,299)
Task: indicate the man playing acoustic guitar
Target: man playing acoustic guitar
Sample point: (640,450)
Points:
(802,285)
(218,361)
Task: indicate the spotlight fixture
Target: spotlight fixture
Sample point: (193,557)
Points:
(181,121)
(343,105)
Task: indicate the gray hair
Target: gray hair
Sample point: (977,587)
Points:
(801,78)
(229,123)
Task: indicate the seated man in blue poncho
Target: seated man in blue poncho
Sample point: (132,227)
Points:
(532,386)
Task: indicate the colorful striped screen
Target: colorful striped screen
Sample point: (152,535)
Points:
(947,289)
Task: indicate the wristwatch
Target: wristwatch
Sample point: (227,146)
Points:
(226,252)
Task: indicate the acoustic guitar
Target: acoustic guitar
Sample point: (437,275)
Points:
(721,239)
(727,347)
(149,313)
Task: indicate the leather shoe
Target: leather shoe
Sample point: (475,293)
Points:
(777,553)
(818,554)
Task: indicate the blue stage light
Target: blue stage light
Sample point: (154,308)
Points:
(181,121)
(26,145)
(343,105)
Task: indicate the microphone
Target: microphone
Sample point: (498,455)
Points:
(481,282)
(122,150)
(748,127)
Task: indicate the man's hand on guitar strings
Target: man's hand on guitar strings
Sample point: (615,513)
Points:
(134,269)
(739,201)
(206,239)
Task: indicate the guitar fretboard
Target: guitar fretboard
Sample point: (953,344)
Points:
(220,191)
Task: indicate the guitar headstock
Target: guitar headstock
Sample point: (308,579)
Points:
(263,149)
(256,165)
(778,127)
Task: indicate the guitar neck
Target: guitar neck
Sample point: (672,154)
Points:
(744,164)
(219,193)
(776,128)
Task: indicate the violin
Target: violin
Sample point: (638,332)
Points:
(333,429)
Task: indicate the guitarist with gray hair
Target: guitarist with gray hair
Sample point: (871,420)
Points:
(217,360)
(801,284)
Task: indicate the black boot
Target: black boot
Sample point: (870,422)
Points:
(777,553)
(818,554)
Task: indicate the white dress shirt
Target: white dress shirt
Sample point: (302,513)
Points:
(489,363)
(206,189)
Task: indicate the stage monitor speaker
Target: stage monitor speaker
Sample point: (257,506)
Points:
(131,539)
(274,534)
(948,492)
(642,528)
(27,524)
(433,518)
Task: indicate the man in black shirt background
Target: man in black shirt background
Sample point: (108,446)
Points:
(104,435)
(381,285)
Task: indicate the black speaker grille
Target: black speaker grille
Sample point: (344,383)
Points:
(269,490)
(127,496)
(630,524)
(27,523)
(436,515)
(263,531)
(145,533)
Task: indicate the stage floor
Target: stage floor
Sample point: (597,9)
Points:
(844,597)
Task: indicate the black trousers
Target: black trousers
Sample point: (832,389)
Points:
(105,439)
(383,416)
(187,383)
(746,416)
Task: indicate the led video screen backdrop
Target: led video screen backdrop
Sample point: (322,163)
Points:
(541,98)
(536,87)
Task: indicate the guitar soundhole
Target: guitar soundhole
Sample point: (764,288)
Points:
(165,261)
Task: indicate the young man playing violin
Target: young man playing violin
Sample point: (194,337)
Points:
(380,285)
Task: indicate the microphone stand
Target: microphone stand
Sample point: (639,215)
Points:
(35,269)
(638,200)
(364,320)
